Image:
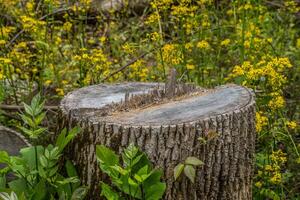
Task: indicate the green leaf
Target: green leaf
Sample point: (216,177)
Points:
(18,185)
(53,171)
(27,120)
(193,161)
(108,193)
(2,181)
(178,170)
(71,170)
(106,156)
(155,192)
(40,191)
(190,172)
(28,154)
(68,180)
(6,196)
(39,118)
(79,193)
(38,132)
(4,157)
(28,109)
(154,178)
(64,138)
(43,161)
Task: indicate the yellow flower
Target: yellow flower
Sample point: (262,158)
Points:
(48,82)
(268,168)
(60,91)
(276,102)
(190,66)
(34,70)
(292,124)
(2,42)
(203,44)
(225,42)
(276,179)
(258,184)
(247,44)
(67,26)
(261,121)
(298,43)
(102,39)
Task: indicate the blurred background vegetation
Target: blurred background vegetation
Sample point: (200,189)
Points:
(55,46)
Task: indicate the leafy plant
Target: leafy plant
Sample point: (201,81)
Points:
(188,167)
(33,117)
(44,181)
(135,179)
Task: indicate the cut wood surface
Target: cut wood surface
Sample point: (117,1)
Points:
(168,130)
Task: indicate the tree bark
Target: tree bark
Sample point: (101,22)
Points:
(217,126)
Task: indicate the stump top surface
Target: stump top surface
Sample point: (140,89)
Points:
(221,100)
(191,108)
(97,96)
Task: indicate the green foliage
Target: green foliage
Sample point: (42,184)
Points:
(134,179)
(37,172)
(33,117)
(188,167)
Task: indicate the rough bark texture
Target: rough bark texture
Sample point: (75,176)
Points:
(168,130)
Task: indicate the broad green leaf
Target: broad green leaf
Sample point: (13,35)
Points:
(27,120)
(178,170)
(65,137)
(193,161)
(106,156)
(131,151)
(43,161)
(6,196)
(71,170)
(143,170)
(190,172)
(155,192)
(132,182)
(28,154)
(154,178)
(120,169)
(53,171)
(28,109)
(38,132)
(4,157)
(108,192)
(40,191)
(2,181)
(79,193)
(39,118)
(18,186)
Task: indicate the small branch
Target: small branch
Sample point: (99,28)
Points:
(125,66)
(16,107)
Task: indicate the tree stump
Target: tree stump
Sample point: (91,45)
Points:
(11,142)
(217,126)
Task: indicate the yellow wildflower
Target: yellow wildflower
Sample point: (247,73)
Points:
(190,66)
(258,184)
(203,44)
(292,124)
(261,121)
(225,42)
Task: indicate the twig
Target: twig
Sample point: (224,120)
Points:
(124,66)
(16,107)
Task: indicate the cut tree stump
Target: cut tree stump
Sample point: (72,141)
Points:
(11,142)
(217,126)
